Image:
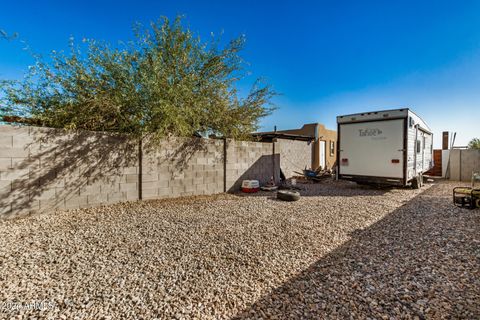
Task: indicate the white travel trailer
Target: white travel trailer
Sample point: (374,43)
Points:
(392,147)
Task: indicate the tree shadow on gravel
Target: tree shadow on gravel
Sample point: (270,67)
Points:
(422,260)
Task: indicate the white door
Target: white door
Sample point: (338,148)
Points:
(323,146)
(372,149)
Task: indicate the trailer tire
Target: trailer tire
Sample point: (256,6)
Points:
(417,182)
(287,195)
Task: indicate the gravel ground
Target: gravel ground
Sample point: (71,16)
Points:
(342,251)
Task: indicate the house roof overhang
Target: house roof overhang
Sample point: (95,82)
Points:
(268,136)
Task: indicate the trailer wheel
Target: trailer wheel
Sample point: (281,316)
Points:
(287,195)
(417,182)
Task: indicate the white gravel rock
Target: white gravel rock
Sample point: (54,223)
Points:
(340,251)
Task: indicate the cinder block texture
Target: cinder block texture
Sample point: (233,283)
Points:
(181,166)
(294,156)
(44,169)
(49,169)
(250,160)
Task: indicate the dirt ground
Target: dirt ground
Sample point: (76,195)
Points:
(341,251)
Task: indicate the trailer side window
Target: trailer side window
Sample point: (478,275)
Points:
(332,148)
(419,146)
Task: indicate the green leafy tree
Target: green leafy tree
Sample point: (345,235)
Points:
(474,144)
(164,82)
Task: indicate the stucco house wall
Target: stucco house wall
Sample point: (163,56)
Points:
(319,133)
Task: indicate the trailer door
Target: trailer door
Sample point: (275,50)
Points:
(372,149)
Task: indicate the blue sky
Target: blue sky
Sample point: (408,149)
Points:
(326,58)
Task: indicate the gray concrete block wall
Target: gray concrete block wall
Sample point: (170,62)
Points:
(470,162)
(182,167)
(44,169)
(248,160)
(454,165)
(294,156)
(463,163)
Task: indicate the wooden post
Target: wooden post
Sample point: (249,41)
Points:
(445,140)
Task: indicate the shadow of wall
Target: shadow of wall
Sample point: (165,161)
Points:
(248,160)
(341,188)
(261,170)
(416,262)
